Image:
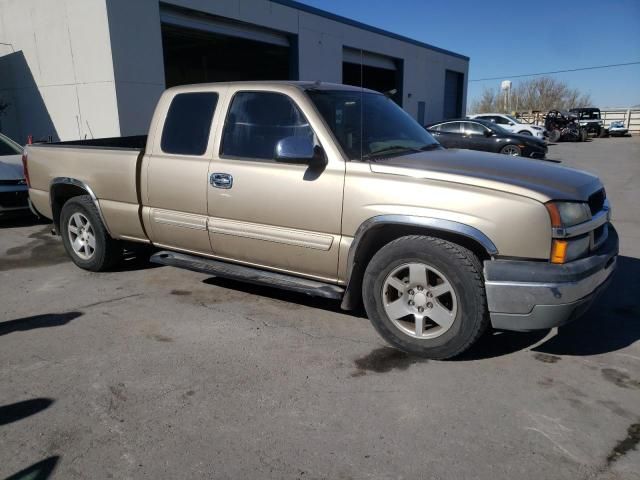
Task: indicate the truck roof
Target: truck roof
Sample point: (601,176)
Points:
(301,84)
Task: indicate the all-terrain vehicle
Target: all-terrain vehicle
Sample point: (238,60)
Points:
(564,126)
(590,120)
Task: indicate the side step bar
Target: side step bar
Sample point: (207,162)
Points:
(248,274)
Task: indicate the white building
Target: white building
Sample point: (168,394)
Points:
(94,68)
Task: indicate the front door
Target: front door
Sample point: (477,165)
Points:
(282,216)
(477,137)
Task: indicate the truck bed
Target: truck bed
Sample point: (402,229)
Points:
(108,167)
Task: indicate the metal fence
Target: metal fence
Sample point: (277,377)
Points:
(630,117)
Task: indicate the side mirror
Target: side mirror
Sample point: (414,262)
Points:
(488,133)
(299,150)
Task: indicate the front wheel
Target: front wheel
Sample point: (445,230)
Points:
(84,236)
(426,296)
(554,136)
(512,150)
(583,135)
(525,132)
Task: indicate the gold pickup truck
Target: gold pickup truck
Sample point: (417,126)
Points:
(335,191)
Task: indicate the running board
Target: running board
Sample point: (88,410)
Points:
(248,274)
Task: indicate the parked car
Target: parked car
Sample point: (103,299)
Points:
(335,191)
(512,124)
(590,120)
(564,126)
(617,129)
(14,195)
(486,136)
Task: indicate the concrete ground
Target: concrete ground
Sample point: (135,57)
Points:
(162,373)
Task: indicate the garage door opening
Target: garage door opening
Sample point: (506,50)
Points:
(377,72)
(210,53)
(453,90)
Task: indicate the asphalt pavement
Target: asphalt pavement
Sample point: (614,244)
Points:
(155,372)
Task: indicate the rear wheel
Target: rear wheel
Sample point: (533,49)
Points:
(84,236)
(426,296)
(512,150)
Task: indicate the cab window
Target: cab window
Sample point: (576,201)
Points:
(188,124)
(257,121)
(472,128)
(451,127)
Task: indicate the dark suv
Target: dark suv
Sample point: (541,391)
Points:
(589,119)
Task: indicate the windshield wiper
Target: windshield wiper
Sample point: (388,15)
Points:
(430,146)
(390,148)
(402,149)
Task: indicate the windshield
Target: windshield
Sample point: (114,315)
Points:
(497,128)
(586,114)
(513,119)
(369,125)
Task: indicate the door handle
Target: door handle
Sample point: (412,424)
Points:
(221,180)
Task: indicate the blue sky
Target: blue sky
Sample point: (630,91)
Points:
(510,38)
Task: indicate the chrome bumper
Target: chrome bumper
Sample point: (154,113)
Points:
(524,295)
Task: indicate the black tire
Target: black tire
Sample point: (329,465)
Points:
(584,136)
(554,136)
(525,132)
(463,271)
(107,251)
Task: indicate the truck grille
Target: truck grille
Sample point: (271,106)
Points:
(596,201)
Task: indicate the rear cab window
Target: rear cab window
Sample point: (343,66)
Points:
(188,124)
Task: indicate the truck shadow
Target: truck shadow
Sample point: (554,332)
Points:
(611,324)
(283,295)
(22,220)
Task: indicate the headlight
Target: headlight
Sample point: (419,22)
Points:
(564,215)
(568,214)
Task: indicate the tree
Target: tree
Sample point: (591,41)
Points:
(541,94)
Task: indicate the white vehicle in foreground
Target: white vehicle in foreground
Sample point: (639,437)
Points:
(512,124)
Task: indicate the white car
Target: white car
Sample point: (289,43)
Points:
(512,124)
(14,193)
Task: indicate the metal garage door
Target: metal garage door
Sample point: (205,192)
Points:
(374,71)
(453,89)
(228,27)
(200,48)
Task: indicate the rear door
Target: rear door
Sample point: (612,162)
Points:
(282,216)
(175,211)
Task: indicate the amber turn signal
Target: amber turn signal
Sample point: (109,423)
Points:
(559,251)
(554,213)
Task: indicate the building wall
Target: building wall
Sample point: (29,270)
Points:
(94,68)
(56,70)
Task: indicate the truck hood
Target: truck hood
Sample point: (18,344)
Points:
(11,167)
(537,179)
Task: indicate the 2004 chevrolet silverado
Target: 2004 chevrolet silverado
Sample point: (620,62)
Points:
(335,191)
